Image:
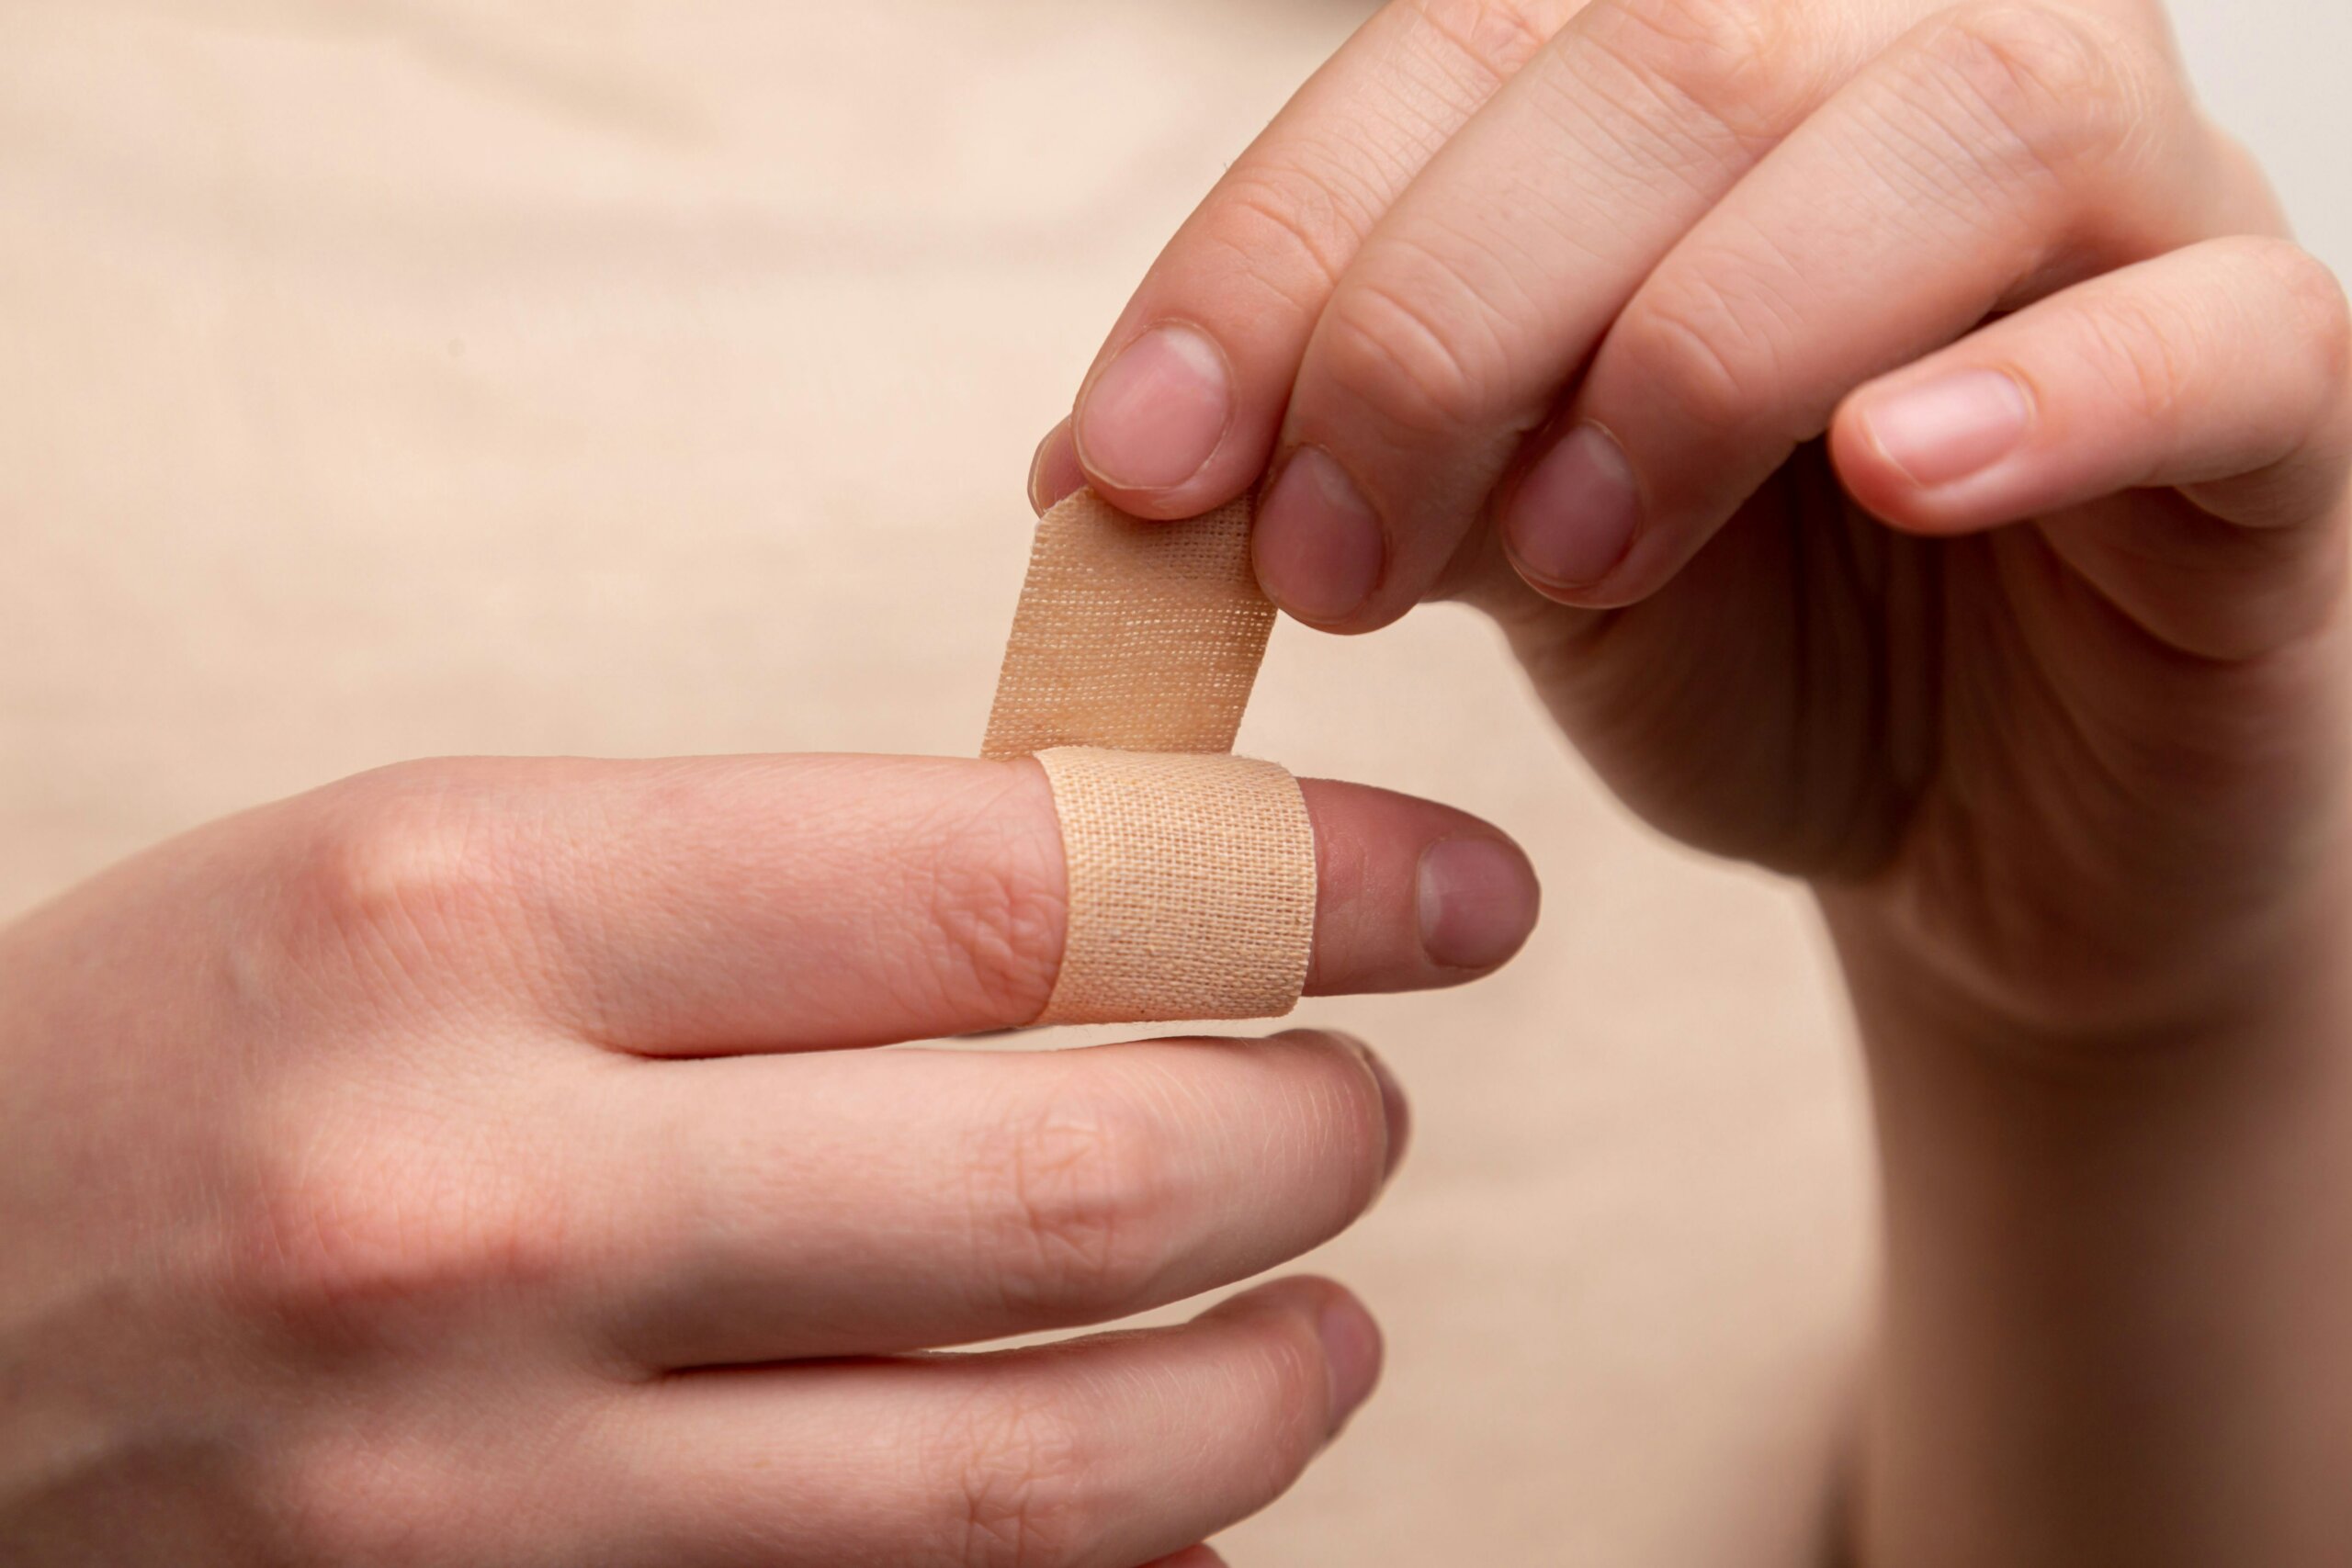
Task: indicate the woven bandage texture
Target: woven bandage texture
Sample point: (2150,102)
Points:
(1145,636)
(1191,887)
(1192,874)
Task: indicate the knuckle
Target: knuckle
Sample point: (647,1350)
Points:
(340,1254)
(2139,350)
(1015,1470)
(1747,67)
(1495,36)
(1076,1200)
(1291,223)
(401,854)
(996,901)
(2316,294)
(2052,88)
(1394,351)
(1693,349)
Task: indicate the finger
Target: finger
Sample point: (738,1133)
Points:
(1485,288)
(1055,474)
(1989,156)
(1179,412)
(998,1194)
(1091,1454)
(1197,1557)
(789,903)
(2220,369)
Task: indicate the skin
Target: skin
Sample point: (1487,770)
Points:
(1907,452)
(481,1163)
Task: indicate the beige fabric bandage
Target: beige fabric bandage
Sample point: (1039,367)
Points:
(1145,636)
(1191,887)
(1191,873)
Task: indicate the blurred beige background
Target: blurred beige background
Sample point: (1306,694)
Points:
(393,377)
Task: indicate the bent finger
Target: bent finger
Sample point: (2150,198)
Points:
(1991,152)
(1483,292)
(774,1216)
(2219,370)
(1179,412)
(1096,1453)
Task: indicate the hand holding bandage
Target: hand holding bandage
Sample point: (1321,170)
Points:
(1191,873)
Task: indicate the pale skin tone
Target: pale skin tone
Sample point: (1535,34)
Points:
(1906,451)
(478,1164)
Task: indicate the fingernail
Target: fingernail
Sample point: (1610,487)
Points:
(1478,900)
(1947,429)
(1394,1107)
(1054,473)
(1319,551)
(1574,515)
(1156,414)
(1352,1351)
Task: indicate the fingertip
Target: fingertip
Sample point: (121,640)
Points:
(1867,479)
(1395,1110)
(1476,902)
(1318,549)
(1154,418)
(1936,452)
(1411,895)
(1593,596)
(1055,473)
(1353,1348)
(1571,520)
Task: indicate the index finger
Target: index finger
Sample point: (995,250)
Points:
(1180,410)
(804,902)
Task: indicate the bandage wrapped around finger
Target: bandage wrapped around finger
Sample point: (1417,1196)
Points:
(1192,872)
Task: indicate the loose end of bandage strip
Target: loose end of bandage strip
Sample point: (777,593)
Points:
(1132,634)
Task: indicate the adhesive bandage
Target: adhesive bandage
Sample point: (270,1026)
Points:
(1141,636)
(1192,872)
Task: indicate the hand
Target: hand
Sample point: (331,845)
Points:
(412,1173)
(1904,451)
(1712,345)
